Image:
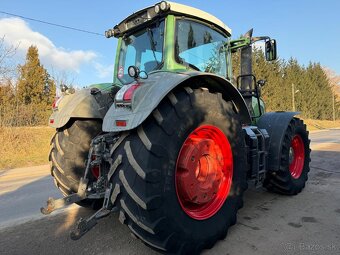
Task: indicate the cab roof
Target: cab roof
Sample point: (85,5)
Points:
(191,11)
(149,13)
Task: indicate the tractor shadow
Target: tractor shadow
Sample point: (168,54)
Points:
(24,230)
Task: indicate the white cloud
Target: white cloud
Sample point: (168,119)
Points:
(104,71)
(17,32)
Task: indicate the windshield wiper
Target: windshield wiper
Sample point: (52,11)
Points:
(153,48)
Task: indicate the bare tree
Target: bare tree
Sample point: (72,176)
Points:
(334,79)
(334,82)
(7,69)
(62,77)
(7,86)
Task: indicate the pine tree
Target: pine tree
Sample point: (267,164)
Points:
(322,91)
(274,93)
(310,86)
(35,88)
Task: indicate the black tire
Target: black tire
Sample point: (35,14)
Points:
(69,150)
(144,178)
(282,181)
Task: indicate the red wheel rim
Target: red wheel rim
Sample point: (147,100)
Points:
(296,156)
(204,172)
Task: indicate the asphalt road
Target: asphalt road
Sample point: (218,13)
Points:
(308,223)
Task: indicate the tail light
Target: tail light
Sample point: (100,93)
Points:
(129,93)
(56,103)
(125,94)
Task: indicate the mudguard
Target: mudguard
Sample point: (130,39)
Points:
(81,104)
(158,85)
(276,124)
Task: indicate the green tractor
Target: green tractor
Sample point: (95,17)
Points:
(172,143)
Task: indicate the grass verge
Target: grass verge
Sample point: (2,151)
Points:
(313,125)
(29,146)
(24,146)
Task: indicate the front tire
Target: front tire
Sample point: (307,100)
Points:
(147,176)
(294,163)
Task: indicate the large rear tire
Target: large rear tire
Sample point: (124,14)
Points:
(69,149)
(150,186)
(294,163)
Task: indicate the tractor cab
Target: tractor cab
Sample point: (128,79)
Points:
(171,37)
(176,38)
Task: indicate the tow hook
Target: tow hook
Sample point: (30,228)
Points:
(54,204)
(101,188)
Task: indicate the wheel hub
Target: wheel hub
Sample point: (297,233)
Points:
(200,170)
(204,172)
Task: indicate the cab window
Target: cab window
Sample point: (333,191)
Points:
(200,47)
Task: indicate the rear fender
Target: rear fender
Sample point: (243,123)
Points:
(81,104)
(276,124)
(158,85)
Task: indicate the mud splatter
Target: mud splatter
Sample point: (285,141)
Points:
(309,219)
(262,208)
(323,175)
(294,225)
(251,227)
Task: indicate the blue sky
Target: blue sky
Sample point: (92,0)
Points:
(306,30)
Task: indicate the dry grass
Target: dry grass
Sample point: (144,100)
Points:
(29,146)
(24,146)
(321,124)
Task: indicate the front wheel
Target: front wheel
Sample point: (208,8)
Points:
(294,163)
(182,173)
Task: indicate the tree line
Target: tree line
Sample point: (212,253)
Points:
(27,96)
(291,86)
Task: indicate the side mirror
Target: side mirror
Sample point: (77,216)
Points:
(270,50)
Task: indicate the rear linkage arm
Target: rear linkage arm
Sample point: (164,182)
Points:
(98,153)
(84,225)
